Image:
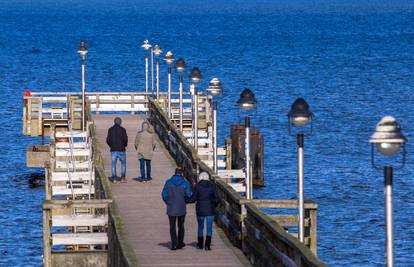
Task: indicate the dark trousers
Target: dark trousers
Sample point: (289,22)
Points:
(174,220)
(142,164)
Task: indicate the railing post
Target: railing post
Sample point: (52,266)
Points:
(47,253)
(313,217)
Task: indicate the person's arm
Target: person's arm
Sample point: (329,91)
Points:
(108,138)
(187,190)
(194,196)
(164,192)
(136,141)
(125,138)
(153,142)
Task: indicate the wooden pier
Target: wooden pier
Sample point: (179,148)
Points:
(88,221)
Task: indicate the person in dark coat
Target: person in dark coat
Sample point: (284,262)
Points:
(206,198)
(117,140)
(176,193)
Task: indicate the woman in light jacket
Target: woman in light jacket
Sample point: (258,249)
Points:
(206,198)
(145,145)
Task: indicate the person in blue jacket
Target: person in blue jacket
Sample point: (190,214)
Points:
(176,193)
(206,198)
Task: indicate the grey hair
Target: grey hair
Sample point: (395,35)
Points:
(118,121)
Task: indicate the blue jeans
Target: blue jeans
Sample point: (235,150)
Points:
(142,163)
(115,155)
(200,220)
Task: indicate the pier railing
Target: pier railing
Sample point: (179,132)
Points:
(244,221)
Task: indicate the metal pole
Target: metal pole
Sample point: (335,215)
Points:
(169,92)
(181,103)
(152,72)
(195,118)
(389,215)
(249,194)
(83,94)
(300,141)
(146,74)
(158,77)
(215,135)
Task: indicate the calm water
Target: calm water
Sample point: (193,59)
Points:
(352,62)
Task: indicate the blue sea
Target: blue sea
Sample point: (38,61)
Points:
(353,61)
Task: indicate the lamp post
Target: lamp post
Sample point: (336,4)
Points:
(299,116)
(388,139)
(195,78)
(157,52)
(169,59)
(147,46)
(83,50)
(247,102)
(180,68)
(215,89)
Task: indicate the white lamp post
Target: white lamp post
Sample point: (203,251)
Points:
(299,116)
(83,50)
(157,52)
(215,89)
(388,139)
(169,59)
(247,102)
(195,78)
(146,46)
(180,68)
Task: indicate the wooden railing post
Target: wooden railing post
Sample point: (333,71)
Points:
(47,253)
(312,216)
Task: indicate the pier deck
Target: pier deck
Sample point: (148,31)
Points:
(143,210)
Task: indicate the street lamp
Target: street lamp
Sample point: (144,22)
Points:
(299,116)
(169,59)
(83,50)
(247,102)
(388,139)
(157,52)
(215,89)
(180,68)
(147,46)
(195,78)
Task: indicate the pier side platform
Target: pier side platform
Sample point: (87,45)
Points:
(143,210)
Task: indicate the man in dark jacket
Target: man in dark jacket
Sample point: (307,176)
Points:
(206,198)
(176,193)
(117,140)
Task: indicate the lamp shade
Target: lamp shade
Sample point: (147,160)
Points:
(195,75)
(146,45)
(169,58)
(299,113)
(247,101)
(388,136)
(157,50)
(83,48)
(214,87)
(180,65)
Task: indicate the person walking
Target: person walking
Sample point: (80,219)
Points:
(145,145)
(176,193)
(206,198)
(117,140)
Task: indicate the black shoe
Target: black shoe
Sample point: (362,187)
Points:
(208,243)
(200,242)
(180,246)
(173,247)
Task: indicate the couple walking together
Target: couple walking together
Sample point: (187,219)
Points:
(176,193)
(117,140)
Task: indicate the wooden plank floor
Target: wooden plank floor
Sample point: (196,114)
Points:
(143,210)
